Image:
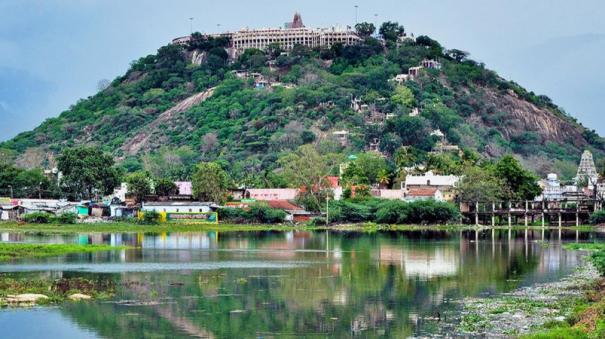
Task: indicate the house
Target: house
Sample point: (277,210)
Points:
(119,193)
(432,64)
(444,183)
(184,188)
(267,194)
(294,213)
(400,79)
(414,71)
(342,136)
(423,193)
(177,206)
(415,112)
(392,194)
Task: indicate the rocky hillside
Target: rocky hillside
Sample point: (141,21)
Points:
(186,104)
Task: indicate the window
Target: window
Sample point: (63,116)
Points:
(177,209)
(190,210)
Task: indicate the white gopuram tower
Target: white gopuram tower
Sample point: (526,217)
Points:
(587,170)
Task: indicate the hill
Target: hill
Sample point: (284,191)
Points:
(192,102)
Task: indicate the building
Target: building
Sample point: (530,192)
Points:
(294,33)
(423,193)
(414,72)
(587,170)
(177,206)
(445,184)
(432,64)
(184,188)
(268,194)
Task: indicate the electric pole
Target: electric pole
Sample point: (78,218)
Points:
(191,25)
(356,12)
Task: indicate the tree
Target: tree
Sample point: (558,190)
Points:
(479,184)
(391,31)
(521,183)
(457,54)
(210,182)
(87,172)
(366,169)
(403,96)
(209,142)
(165,187)
(139,185)
(365,29)
(305,168)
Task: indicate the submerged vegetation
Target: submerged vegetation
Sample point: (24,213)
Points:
(10,251)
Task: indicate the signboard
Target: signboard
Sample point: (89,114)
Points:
(208,217)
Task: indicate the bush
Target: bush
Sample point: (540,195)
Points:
(150,218)
(66,218)
(598,260)
(597,217)
(265,214)
(317,221)
(257,213)
(393,211)
(37,217)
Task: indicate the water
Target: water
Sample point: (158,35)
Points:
(281,284)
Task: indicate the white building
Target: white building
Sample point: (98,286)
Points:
(177,206)
(294,33)
(443,183)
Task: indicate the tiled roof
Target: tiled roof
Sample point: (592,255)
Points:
(422,192)
(283,205)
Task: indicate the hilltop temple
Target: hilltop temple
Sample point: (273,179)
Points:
(293,33)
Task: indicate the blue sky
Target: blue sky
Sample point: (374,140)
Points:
(54,52)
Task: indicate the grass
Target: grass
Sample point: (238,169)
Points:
(57,290)
(11,251)
(588,317)
(111,227)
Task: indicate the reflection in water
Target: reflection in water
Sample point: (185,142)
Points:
(273,284)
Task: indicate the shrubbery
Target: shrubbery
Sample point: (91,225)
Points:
(256,213)
(37,217)
(66,218)
(46,218)
(393,211)
(150,218)
(597,217)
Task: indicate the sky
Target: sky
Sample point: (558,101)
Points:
(54,52)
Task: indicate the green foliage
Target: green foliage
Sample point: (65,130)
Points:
(365,29)
(37,217)
(210,182)
(522,183)
(165,187)
(66,218)
(150,218)
(597,217)
(256,213)
(391,31)
(87,172)
(393,211)
(139,185)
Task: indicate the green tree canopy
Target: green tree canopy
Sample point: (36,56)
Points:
(87,172)
(522,183)
(391,31)
(365,29)
(481,184)
(139,185)
(165,187)
(210,182)
(306,168)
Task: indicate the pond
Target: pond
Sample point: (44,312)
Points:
(276,284)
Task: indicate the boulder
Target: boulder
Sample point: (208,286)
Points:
(79,296)
(25,298)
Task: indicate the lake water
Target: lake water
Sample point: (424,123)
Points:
(285,284)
